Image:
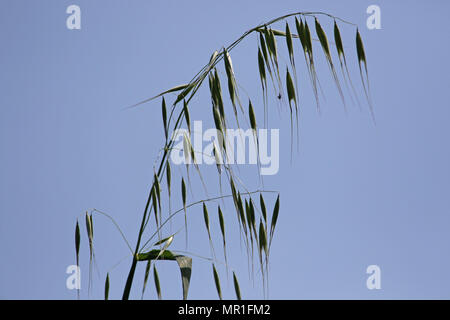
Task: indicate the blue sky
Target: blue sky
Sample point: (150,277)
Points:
(356,193)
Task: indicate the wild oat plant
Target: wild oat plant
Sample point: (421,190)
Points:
(256,219)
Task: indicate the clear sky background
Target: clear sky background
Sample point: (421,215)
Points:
(356,193)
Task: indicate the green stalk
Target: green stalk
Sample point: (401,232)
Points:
(129,283)
(198,80)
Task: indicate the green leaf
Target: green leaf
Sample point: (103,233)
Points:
(147,271)
(168,177)
(183,193)
(277,33)
(308,38)
(301,35)
(270,41)
(187,116)
(262,68)
(362,59)
(157,190)
(305,40)
(262,237)
(322,38)
(217,282)
(262,77)
(263,207)
(155,203)
(107,287)
(289,42)
(342,59)
(206,218)
(313,74)
(77,240)
(236,287)
(184,263)
(213,57)
(187,149)
(167,244)
(248,215)
(157,284)
(218,123)
(263,48)
(262,240)
(164,116)
(77,249)
(163,240)
(155,254)
(218,94)
(326,49)
(251,114)
(211,86)
(290,88)
(230,76)
(291,96)
(92,225)
(217,119)
(252,215)
(291,54)
(222,230)
(276,210)
(89,231)
(272,48)
(338,40)
(241,210)
(174,89)
(185,92)
(233,190)
(221,222)
(360,50)
(249,222)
